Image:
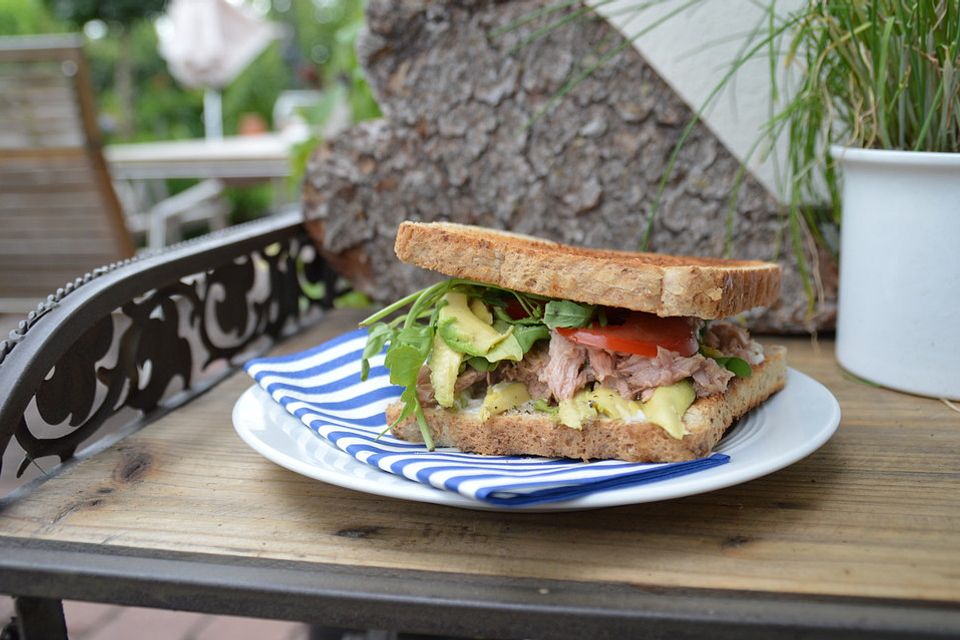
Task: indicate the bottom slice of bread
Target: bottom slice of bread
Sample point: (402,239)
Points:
(517,433)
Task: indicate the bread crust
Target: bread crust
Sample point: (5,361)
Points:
(515,433)
(708,288)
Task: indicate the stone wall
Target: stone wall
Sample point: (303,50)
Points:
(460,142)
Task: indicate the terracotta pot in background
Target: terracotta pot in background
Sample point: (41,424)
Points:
(252,124)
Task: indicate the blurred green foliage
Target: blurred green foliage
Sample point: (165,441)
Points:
(328,32)
(163,110)
(249,202)
(353,300)
(319,53)
(121,12)
(24,17)
(257,88)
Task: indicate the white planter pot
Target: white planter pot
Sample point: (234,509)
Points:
(898,320)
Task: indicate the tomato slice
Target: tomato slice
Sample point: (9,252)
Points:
(640,334)
(515,310)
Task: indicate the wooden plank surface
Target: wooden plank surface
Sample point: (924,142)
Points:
(875,512)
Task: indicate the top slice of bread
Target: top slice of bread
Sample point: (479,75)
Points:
(708,288)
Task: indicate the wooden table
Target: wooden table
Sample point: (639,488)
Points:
(862,538)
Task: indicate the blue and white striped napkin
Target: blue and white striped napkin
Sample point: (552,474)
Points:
(321,386)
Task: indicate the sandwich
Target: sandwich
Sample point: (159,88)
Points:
(537,348)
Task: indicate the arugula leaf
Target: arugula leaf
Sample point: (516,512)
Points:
(481,364)
(424,427)
(501,314)
(509,349)
(564,313)
(528,335)
(410,404)
(739,366)
(407,327)
(420,337)
(530,308)
(409,346)
(494,297)
(404,363)
(407,353)
(411,407)
(530,322)
(500,299)
(377,338)
(404,360)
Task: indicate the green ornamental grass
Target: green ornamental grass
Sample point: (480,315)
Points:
(877,74)
(874,74)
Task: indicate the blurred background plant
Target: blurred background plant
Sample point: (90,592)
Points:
(338,68)
(872,74)
(139,100)
(882,74)
(25,17)
(118,18)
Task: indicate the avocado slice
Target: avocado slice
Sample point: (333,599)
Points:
(509,349)
(463,330)
(503,396)
(611,404)
(667,406)
(444,369)
(480,310)
(574,411)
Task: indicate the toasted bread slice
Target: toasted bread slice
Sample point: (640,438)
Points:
(708,288)
(517,433)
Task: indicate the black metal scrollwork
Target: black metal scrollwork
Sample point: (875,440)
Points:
(173,340)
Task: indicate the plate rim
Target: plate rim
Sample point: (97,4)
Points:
(329,476)
(733,473)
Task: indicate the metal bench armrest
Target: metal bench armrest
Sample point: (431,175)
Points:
(141,336)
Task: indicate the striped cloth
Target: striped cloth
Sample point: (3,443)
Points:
(321,387)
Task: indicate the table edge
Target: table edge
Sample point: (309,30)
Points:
(448,603)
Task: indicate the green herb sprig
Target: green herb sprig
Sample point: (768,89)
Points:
(564,313)
(408,337)
(408,326)
(740,367)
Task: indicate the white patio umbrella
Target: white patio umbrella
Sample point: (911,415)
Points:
(207,43)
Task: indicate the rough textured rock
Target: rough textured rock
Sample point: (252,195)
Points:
(459,142)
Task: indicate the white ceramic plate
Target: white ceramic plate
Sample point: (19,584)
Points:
(786,428)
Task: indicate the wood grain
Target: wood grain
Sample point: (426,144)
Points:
(52,173)
(875,512)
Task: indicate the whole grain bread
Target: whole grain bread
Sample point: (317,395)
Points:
(517,433)
(708,288)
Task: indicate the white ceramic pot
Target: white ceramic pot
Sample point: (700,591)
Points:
(898,320)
